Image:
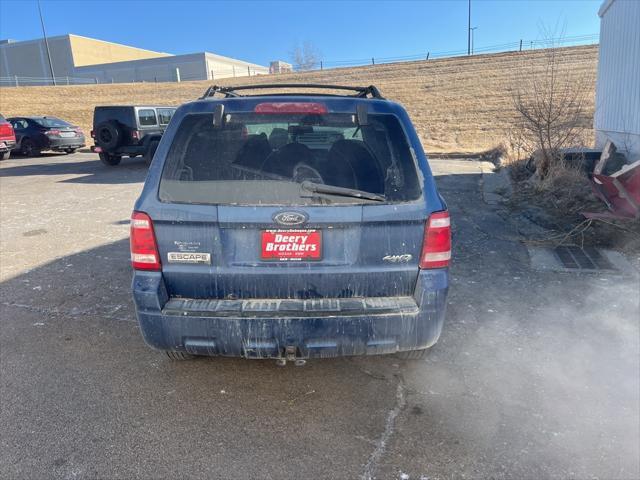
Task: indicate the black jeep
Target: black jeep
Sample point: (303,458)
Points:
(128,130)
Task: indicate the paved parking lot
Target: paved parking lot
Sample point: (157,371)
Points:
(536,374)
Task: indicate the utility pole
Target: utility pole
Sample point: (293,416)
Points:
(469,31)
(46,43)
(472,37)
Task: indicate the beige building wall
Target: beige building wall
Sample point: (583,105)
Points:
(223,67)
(88,51)
(29,59)
(78,58)
(190,67)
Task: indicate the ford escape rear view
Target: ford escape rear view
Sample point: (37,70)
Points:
(290,226)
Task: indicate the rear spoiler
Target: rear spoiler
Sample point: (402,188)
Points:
(231,92)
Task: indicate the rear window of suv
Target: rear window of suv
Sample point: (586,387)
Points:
(262,159)
(51,122)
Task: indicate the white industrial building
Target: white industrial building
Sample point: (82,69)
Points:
(194,66)
(75,57)
(617,112)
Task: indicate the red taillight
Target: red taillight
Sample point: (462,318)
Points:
(135,134)
(6,130)
(52,133)
(436,247)
(93,134)
(291,107)
(144,250)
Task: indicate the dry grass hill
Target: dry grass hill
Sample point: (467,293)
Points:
(461,104)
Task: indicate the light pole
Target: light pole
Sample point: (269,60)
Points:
(46,44)
(469,31)
(472,32)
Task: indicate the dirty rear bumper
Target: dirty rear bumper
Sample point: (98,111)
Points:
(310,334)
(66,142)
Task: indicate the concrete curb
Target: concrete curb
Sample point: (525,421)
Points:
(497,189)
(496,185)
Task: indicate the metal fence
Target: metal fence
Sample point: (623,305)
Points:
(103,77)
(176,76)
(18,81)
(519,45)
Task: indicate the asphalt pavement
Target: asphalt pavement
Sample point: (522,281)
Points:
(536,374)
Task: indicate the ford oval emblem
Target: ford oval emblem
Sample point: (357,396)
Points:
(290,218)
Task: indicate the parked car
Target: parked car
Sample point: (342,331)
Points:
(7,139)
(35,134)
(128,130)
(290,227)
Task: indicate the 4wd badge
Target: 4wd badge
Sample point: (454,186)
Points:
(189,257)
(404,258)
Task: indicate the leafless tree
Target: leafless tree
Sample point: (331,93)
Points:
(306,56)
(549,101)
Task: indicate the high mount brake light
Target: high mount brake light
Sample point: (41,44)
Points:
(144,249)
(436,247)
(312,108)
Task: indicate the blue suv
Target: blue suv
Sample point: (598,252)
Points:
(290,226)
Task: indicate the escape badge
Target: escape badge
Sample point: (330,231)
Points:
(189,257)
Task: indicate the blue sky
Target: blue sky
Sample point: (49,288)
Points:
(260,31)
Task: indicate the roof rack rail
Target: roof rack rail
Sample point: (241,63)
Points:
(230,92)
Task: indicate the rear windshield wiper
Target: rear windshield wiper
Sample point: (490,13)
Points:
(340,191)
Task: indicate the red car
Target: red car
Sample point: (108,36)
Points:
(7,138)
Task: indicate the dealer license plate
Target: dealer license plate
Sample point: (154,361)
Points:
(291,245)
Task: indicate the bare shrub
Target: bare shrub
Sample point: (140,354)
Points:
(519,144)
(562,194)
(550,100)
(305,57)
(566,186)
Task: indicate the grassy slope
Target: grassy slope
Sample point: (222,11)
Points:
(458,104)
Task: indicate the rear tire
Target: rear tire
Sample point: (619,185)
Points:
(109,160)
(179,356)
(5,155)
(70,150)
(414,354)
(28,148)
(151,150)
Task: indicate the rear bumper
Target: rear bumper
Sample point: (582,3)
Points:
(64,143)
(122,150)
(6,145)
(256,333)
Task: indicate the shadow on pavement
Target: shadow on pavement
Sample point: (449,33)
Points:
(92,170)
(81,392)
